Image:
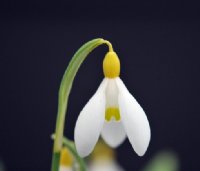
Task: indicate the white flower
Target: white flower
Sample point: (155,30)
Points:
(104,166)
(65,168)
(112,112)
(66,160)
(103,158)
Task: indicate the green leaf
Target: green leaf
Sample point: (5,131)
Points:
(66,85)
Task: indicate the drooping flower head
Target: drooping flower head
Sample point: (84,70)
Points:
(103,158)
(113,113)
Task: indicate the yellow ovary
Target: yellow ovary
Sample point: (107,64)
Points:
(66,158)
(112,113)
(111,65)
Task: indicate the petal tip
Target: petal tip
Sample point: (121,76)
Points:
(112,144)
(82,152)
(140,151)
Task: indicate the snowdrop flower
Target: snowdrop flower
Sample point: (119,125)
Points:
(66,160)
(112,112)
(103,158)
(103,165)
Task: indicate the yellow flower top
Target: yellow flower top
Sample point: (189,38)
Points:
(66,158)
(111,65)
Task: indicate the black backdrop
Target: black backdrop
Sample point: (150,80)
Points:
(158,44)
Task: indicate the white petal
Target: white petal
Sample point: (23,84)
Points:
(90,122)
(104,165)
(65,168)
(113,133)
(134,120)
(111,94)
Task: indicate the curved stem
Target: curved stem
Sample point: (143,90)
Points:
(64,92)
(109,45)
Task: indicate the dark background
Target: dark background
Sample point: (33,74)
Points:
(158,44)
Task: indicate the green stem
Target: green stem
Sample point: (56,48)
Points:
(64,92)
(55,161)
